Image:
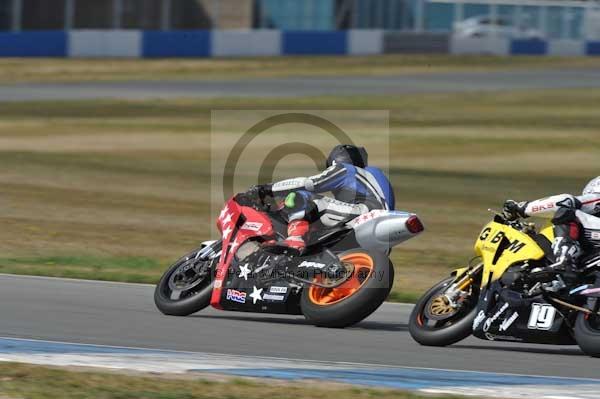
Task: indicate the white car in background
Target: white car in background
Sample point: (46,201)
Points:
(486,26)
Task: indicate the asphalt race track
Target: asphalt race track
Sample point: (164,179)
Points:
(118,314)
(308,86)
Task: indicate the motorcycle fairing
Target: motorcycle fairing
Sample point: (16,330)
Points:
(501,246)
(265,284)
(547,232)
(503,315)
(237,224)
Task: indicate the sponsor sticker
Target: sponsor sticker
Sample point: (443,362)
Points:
(478,319)
(316,265)
(542,207)
(508,322)
(488,322)
(236,296)
(278,290)
(271,297)
(253,226)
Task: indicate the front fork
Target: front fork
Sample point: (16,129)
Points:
(457,291)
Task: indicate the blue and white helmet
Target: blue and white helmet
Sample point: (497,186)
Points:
(593,187)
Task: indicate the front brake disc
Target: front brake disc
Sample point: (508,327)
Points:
(439,308)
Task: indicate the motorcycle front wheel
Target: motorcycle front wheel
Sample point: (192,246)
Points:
(357,297)
(186,287)
(434,323)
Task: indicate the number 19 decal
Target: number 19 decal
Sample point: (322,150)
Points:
(541,317)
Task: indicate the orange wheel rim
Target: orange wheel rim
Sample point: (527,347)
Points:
(363,270)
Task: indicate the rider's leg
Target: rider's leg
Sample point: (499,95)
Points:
(333,212)
(299,210)
(296,233)
(302,208)
(566,245)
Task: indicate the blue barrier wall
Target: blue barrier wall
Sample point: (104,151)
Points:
(593,48)
(159,44)
(311,42)
(33,44)
(528,47)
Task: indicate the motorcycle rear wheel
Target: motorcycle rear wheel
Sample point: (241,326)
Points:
(445,331)
(355,299)
(176,296)
(587,334)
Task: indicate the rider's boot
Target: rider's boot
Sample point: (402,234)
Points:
(294,244)
(297,230)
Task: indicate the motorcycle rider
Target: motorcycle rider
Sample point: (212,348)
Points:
(567,245)
(357,188)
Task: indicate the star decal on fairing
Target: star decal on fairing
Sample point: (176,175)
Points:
(256,294)
(234,245)
(244,272)
(224,212)
(226,219)
(227,231)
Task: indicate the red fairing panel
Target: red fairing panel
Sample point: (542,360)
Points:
(256,224)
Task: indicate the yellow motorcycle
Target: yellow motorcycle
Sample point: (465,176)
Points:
(514,290)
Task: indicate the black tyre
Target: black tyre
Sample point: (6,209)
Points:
(357,297)
(587,334)
(445,330)
(186,287)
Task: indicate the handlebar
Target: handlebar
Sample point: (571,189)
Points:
(254,199)
(516,223)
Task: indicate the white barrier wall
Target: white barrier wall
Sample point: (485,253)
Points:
(365,42)
(566,48)
(105,43)
(246,43)
(476,45)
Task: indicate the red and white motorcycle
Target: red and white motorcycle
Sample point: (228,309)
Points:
(342,277)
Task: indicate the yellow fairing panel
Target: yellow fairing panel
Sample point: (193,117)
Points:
(548,231)
(514,246)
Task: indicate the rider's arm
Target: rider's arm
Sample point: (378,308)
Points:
(547,207)
(590,203)
(330,179)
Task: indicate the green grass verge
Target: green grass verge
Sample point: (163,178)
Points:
(125,269)
(119,189)
(35,382)
(60,70)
